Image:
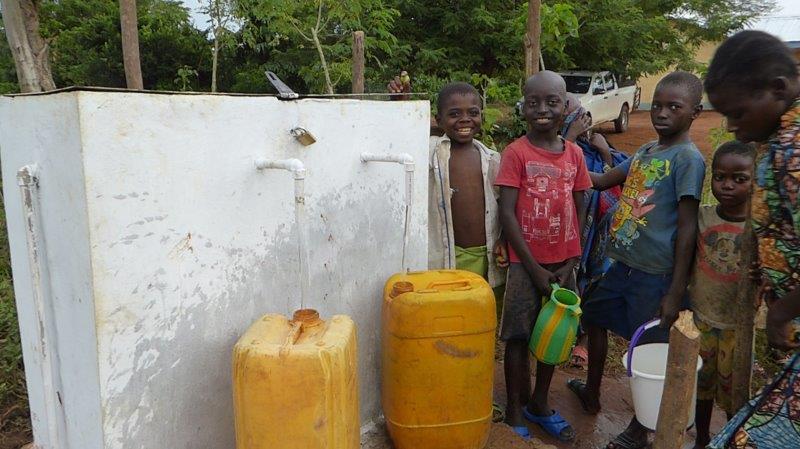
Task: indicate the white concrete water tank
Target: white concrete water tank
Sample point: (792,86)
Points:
(158,243)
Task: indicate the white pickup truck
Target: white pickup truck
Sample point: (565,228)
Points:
(602,97)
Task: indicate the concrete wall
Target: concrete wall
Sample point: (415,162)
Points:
(178,243)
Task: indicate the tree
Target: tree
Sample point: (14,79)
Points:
(30,51)
(532,37)
(638,37)
(130,44)
(220,13)
(311,38)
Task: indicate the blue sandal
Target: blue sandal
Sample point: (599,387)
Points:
(522,431)
(555,424)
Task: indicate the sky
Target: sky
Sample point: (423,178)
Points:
(784,8)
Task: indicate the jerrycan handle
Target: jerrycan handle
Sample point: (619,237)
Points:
(635,339)
(457,282)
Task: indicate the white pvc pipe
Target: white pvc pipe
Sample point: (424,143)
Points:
(407,161)
(298,171)
(46,342)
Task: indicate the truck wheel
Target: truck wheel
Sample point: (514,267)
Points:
(621,123)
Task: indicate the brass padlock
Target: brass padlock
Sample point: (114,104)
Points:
(303,136)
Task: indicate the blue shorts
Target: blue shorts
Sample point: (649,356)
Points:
(624,299)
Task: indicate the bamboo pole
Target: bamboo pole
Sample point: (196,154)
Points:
(745,303)
(358,62)
(679,385)
(130,44)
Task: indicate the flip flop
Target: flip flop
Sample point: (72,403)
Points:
(623,441)
(578,386)
(522,431)
(554,424)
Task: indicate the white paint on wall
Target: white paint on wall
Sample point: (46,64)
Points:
(164,243)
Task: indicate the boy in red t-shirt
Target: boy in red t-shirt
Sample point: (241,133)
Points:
(542,179)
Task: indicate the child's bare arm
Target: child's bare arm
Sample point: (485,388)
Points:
(685,242)
(513,235)
(614,177)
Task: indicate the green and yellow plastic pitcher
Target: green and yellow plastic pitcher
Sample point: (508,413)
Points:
(556,327)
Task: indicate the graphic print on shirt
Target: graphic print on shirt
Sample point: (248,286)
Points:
(548,185)
(718,256)
(643,177)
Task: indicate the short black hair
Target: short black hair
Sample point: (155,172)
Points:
(450,89)
(750,59)
(688,81)
(734,147)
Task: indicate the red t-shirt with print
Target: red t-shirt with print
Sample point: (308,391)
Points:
(545,208)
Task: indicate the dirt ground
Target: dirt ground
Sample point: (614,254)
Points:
(640,131)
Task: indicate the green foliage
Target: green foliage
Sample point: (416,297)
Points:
(12,377)
(638,37)
(310,40)
(86,48)
(8,75)
(185,76)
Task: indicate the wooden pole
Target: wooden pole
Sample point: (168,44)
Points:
(679,385)
(358,62)
(30,51)
(130,44)
(532,38)
(745,303)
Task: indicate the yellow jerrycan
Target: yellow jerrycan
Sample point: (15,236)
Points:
(438,359)
(295,384)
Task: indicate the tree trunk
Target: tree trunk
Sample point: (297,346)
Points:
(214,60)
(130,44)
(30,51)
(532,38)
(745,302)
(328,83)
(679,384)
(358,62)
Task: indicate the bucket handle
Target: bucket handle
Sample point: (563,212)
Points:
(635,339)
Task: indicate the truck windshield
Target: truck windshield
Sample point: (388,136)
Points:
(578,84)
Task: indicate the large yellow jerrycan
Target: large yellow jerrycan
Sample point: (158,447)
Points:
(295,384)
(438,359)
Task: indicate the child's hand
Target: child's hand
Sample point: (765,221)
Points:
(541,280)
(561,276)
(501,254)
(578,128)
(402,89)
(781,334)
(598,141)
(670,307)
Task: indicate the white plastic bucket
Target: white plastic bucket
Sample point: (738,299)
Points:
(647,371)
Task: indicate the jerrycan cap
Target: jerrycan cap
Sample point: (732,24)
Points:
(306,318)
(398,288)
